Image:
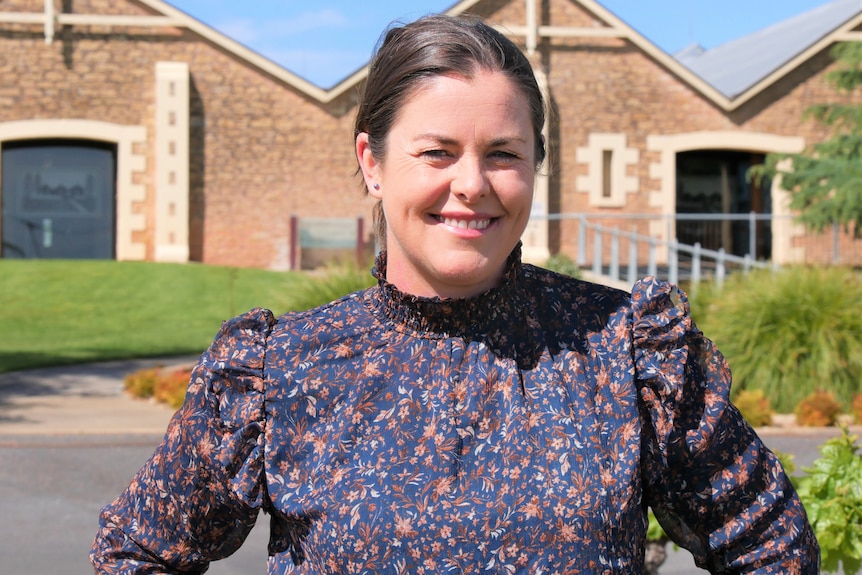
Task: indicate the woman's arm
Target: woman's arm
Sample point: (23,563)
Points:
(198,496)
(714,486)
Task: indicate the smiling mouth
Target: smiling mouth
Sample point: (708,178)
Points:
(466,224)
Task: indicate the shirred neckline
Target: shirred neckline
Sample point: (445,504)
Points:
(465,317)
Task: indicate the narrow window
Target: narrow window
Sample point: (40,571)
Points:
(607,162)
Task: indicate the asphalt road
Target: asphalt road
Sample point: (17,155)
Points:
(52,488)
(64,454)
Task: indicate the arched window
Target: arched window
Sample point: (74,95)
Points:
(58,199)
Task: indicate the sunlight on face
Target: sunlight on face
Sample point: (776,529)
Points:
(456,183)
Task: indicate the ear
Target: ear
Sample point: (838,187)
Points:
(369,165)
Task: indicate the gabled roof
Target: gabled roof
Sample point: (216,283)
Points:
(728,75)
(738,65)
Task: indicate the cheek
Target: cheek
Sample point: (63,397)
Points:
(515,188)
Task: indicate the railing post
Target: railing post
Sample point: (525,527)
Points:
(720,271)
(746,263)
(582,242)
(695,264)
(752,234)
(597,251)
(633,259)
(614,271)
(673,262)
(652,267)
(836,242)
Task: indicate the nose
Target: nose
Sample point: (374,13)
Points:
(470,182)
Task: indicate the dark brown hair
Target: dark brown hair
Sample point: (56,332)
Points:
(433,46)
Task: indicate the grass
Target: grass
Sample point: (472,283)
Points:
(64,311)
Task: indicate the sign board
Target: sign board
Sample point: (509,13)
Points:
(328,233)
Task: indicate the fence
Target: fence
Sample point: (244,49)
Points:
(679,261)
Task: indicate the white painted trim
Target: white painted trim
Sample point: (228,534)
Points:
(172,162)
(129,163)
(784,226)
(535,248)
(622,184)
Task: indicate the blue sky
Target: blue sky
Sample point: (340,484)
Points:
(324,41)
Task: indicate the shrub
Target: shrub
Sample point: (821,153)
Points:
(754,406)
(163,385)
(561,263)
(790,332)
(832,495)
(336,280)
(171,387)
(818,409)
(141,383)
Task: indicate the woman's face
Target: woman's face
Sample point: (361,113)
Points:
(456,183)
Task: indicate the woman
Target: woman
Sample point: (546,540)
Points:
(469,413)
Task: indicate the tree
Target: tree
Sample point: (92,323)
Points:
(825,180)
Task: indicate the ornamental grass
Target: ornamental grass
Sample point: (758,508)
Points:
(788,333)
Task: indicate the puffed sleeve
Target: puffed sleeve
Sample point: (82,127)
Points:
(713,485)
(198,496)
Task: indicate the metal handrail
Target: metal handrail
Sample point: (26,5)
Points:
(722,260)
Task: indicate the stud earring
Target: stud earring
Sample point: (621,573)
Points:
(376,186)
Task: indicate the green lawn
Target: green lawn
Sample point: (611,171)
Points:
(65,311)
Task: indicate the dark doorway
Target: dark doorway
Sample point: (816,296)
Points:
(58,199)
(715,182)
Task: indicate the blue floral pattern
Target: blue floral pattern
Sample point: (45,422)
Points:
(522,431)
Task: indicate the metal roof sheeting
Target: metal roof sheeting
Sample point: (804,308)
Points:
(735,66)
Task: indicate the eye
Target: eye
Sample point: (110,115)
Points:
(504,156)
(436,153)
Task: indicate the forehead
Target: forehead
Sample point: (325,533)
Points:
(460,97)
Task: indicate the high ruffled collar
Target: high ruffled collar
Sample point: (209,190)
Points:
(499,317)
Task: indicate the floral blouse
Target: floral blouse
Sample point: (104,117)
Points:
(525,430)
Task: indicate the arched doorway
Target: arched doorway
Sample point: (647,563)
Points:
(58,199)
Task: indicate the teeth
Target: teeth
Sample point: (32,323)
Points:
(467,224)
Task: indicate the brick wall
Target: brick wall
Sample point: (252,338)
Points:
(262,151)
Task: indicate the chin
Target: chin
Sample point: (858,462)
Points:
(480,275)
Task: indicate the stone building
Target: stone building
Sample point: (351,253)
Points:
(130,130)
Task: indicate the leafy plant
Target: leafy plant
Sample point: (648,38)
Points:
(790,332)
(142,383)
(832,494)
(336,280)
(561,263)
(824,180)
(166,386)
(171,387)
(787,461)
(754,406)
(818,409)
(655,532)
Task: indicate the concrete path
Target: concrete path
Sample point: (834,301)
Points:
(81,399)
